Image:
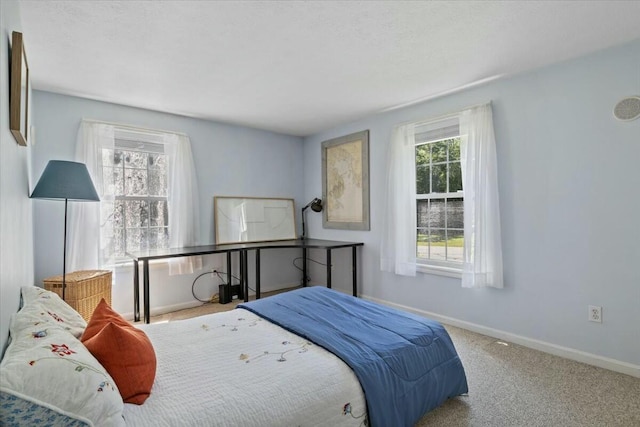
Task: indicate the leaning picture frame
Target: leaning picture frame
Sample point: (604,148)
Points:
(253,219)
(345,182)
(20,90)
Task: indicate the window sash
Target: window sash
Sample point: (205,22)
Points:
(142,198)
(437,131)
(428,229)
(428,196)
(429,134)
(130,142)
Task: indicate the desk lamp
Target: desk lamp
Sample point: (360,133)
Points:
(316,206)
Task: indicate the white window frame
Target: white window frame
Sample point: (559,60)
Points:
(127,140)
(433,132)
(482,253)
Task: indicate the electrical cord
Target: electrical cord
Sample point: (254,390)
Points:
(220,273)
(215,296)
(308,259)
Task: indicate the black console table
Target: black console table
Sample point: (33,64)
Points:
(242,249)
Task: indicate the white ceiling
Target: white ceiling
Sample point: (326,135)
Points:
(305,66)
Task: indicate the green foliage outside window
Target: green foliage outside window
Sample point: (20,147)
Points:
(440,213)
(433,162)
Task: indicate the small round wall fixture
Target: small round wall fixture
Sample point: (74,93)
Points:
(627,109)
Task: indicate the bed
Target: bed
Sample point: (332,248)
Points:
(312,356)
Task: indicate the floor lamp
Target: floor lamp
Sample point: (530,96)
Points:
(63,180)
(316,206)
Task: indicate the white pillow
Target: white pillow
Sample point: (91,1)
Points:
(48,365)
(51,308)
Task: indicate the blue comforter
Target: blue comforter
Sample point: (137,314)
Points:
(406,364)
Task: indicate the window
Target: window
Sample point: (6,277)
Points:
(429,225)
(148,192)
(439,195)
(136,209)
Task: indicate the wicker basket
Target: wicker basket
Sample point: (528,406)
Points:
(84,289)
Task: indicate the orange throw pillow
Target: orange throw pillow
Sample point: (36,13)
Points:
(124,350)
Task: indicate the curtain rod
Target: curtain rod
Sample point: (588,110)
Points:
(441,117)
(135,128)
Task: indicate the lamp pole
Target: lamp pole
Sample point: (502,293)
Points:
(64,252)
(65,180)
(303,230)
(316,206)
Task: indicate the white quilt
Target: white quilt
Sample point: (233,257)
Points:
(237,369)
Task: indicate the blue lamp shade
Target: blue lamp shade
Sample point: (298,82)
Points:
(65,180)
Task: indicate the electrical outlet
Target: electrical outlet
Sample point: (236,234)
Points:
(595,313)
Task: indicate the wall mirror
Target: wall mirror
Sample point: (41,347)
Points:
(253,219)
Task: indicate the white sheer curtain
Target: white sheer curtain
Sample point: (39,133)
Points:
(482,265)
(398,246)
(86,249)
(90,233)
(183,199)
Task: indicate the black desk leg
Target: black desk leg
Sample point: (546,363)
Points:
(136,292)
(241,270)
(355,271)
(229,276)
(329,268)
(245,274)
(305,279)
(257,273)
(145,272)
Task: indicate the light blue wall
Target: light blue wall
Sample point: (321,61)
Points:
(229,160)
(16,249)
(569,182)
(569,179)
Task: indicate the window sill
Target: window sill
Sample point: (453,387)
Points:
(125,266)
(437,270)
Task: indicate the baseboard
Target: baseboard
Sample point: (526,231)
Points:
(271,288)
(155,311)
(165,309)
(557,350)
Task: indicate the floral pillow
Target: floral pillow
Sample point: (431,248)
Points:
(49,366)
(18,411)
(51,308)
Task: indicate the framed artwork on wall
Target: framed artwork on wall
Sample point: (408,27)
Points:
(20,91)
(345,182)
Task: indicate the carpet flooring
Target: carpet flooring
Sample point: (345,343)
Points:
(514,386)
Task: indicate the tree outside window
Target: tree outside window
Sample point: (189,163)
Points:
(439,202)
(137,215)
